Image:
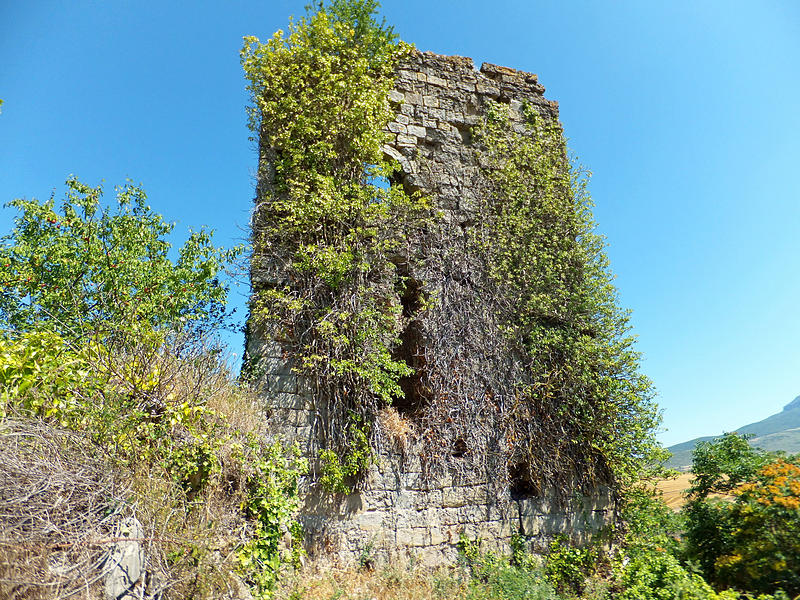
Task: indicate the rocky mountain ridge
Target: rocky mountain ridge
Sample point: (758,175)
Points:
(780,431)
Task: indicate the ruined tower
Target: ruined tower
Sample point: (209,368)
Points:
(442,467)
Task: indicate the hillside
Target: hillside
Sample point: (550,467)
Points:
(780,431)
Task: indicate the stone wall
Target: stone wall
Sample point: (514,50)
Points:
(439,100)
(403,512)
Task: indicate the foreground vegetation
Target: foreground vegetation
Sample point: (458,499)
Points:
(736,539)
(109,361)
(114,394)
(116,400)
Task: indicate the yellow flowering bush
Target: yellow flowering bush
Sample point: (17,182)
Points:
(743,517)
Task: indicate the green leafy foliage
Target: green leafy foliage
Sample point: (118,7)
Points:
(652,565)
(764,549)
(102,333)
(648,521)
(340,61)
(337,475)
(91,306)
(124,403)
(721,465)
(568,566)
(738,532)
(641,570)
(272,502)
(743,517)
(43,376)
(657,575)
(492,576)
(84,270)
(319,107)
(561,306)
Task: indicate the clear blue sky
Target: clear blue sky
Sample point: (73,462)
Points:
(687,112)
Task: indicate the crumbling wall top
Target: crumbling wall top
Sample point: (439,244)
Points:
(458,72)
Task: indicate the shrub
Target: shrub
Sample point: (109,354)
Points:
(84,271)
(568,566)
(495,577)
(272,502)
(763,553)
(648,521)
(103,334)
(650,567)
(654,574)
(747,537)
(42,375)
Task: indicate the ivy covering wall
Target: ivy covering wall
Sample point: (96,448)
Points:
(346,260)
(326,233)
(583,409)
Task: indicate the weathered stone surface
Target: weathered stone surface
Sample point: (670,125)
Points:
(125,561)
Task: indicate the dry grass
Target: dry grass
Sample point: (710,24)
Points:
(60,504)
(198,531)
(673,490)
(396,426)
(61,496)
(389,583)
(191,542)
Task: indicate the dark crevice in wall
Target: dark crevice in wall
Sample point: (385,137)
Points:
(521,485)
(465,131)
(459,448)
(412,348)
(409,183)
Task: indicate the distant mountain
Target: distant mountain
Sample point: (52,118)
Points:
(781,431)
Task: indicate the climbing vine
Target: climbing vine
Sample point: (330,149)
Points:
(583,400)
(330,228)
(524,360)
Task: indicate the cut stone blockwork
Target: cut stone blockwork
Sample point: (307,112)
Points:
(402,512)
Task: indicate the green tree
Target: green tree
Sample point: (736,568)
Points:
(719,467)
(764,549)
(82,270)
(89,298)
(743,516)
(104,333)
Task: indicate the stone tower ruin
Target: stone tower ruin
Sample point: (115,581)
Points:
(405,507)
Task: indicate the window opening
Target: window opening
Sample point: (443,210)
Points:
(412,347)
(521,485)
